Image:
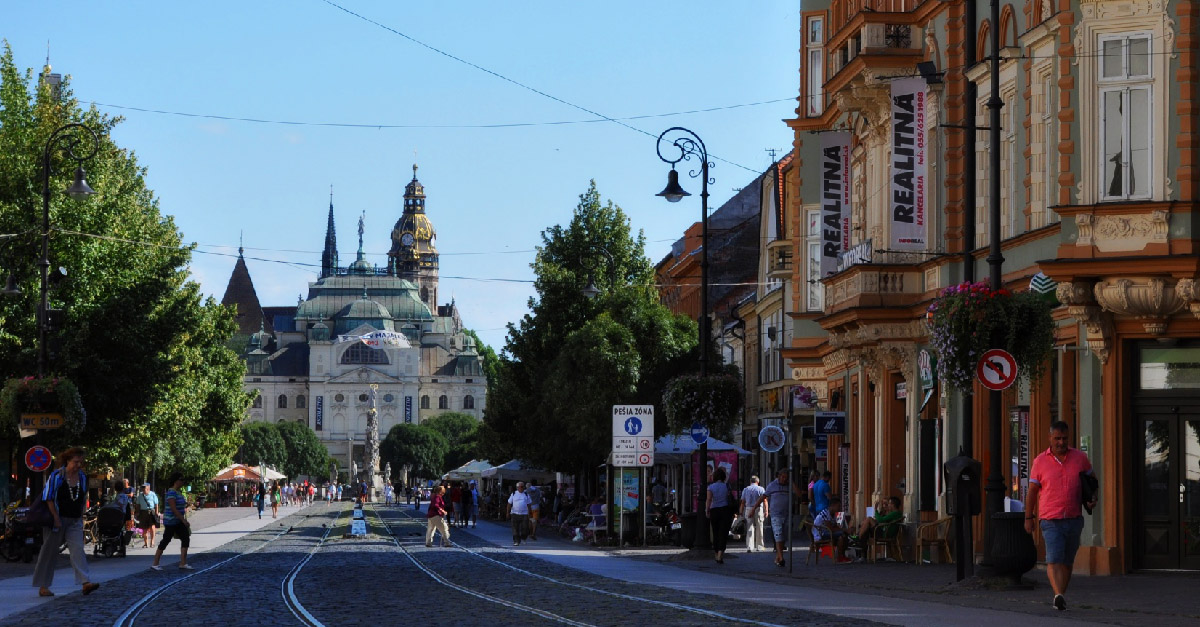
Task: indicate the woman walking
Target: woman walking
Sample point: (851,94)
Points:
(275,496)
(260,499)
(175,524)
(64,493)
(147,518)
(436,518)
(719,508)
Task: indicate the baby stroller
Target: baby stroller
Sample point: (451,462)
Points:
(112,536)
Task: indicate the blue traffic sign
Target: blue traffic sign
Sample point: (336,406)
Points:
(633,426)
(699,433)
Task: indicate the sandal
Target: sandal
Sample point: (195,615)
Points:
(89,588)
(45,592)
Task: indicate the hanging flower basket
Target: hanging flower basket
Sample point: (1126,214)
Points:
(968,319)
(47,395)
(712,401)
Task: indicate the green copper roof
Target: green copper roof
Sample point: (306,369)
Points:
(328,297)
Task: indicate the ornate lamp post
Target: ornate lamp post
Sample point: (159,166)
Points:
(688,144)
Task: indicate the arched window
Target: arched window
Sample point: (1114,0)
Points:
(300,402)
(282,402)
(468,402)
(258,401)
(424,402)
(360,353)
(443,402)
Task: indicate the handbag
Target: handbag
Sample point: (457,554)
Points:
(1089,485)
(39,513)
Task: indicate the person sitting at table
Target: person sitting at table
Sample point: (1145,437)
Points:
(828,528)
(887,512)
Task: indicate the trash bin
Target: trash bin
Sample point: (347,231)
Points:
(687,533)
(1013,550)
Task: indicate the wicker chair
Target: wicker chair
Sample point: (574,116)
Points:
(887,536)
(935,535)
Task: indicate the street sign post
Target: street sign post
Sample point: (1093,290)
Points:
(997,370)
(699,433)
(771,438)
(633,436)
(38,458)
(41,421)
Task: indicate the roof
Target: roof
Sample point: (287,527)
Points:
(329,296)
(240,293)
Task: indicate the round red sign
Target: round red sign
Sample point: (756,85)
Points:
(997,370)
(38,458)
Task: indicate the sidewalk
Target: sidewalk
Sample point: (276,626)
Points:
(211,528)
(901,594)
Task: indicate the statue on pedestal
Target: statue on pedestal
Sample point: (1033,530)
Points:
(371,471)
(387,471)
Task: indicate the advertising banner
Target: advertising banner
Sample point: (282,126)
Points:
(408,410)
(909,165)
(320,413)
(716,459)
(835,199)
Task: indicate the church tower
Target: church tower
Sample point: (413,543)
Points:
(413,255)
(329,258)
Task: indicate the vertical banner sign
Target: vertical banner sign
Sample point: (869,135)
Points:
(407,410)
(844,471)
(1021,418)
(320,412)
(909,166)
(835,199)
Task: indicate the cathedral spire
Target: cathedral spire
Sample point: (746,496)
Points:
(329,258)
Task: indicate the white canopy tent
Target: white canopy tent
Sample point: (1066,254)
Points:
(516,470)
(470,471)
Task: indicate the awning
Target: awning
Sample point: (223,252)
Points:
(237,472)
(678,449)
(269,474)
(516,470)
(470,471)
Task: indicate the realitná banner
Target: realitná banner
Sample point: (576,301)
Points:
(835,199)
(909,165)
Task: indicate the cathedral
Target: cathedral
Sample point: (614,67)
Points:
(361,325)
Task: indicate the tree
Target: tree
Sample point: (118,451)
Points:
(142,345)
(570,359)
(305,453)
(491,361)
(460,431)
(262,443)
(420,448)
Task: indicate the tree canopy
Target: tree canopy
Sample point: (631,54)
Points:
(262,443)
(460,431)
(571,358)
(419,447)
(305,453)
(145,349)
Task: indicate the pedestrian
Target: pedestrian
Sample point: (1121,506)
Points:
(776,499)
(389,493)
(339,492)
(535,509)
(455,503)
(718,508)
(1055,501)
(175,523)
(64,493)
(276,496)
(260,498)
(518,511)
(474,505)
(466,501)
(821,493)
(147,515)
(751,506)
(435,518)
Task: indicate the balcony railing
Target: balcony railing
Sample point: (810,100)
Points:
(874,286)
(871,27)
(779,259)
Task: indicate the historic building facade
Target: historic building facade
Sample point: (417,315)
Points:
(360,326)
(1099,150)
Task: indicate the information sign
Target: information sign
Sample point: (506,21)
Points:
(41,421)
(829,422)
(633,436)
(771,438)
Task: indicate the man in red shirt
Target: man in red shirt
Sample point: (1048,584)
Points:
(1055,500)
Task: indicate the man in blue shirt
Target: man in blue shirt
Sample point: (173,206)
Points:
(822,493)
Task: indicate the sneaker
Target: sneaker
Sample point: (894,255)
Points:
(186,567)
(155,567)
(1060,602)
(844,560)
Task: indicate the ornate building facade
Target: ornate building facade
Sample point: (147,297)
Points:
(361,325)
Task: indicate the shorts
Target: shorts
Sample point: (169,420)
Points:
(779,526)
(1062,539)
(181,531)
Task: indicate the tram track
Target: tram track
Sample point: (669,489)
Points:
(667,605)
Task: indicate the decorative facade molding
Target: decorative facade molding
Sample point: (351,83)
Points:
(1097,323)
(1125,232)
(1150,300)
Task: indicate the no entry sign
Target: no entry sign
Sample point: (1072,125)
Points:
(997,369)
(38,458)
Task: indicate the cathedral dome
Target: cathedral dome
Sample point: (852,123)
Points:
(365,309)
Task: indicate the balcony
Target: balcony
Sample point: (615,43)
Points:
(779,259)
(874,285)
(871,34)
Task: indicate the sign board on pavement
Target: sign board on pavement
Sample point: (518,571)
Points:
(41,421)
(633,436)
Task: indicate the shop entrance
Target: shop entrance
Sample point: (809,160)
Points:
(1167,412)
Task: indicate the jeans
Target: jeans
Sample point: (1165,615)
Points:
(1062,539)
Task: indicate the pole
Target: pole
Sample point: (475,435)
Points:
(791,477)
(995,481)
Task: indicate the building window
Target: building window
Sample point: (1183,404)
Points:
(424,402)
(339,398)
(300,404)
(813,288)
(362,398)
(1126,118)
(1044,176)
(281,402)
(360,353)
(443,402)
(258,401)
(814,45)
(388,398)
(468,402)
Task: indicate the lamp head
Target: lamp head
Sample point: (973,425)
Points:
(591,291)
(10,287)
(80,189)
(673,192)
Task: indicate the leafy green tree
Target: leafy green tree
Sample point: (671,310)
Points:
(143,346)
(491,361)
(571,358)
(305,453)
(261,442)
(419,447)
(460,431)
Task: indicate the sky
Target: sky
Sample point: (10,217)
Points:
(502,106)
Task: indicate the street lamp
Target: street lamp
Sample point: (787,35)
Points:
(74,135)
(688,144)
(590,291)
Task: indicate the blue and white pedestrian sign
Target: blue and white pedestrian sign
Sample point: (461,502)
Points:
(699,433)
(633,436)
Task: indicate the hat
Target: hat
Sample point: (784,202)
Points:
(145,485)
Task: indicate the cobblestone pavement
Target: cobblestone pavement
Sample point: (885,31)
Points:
(371,580)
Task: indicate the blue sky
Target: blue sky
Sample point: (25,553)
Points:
(491,191)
